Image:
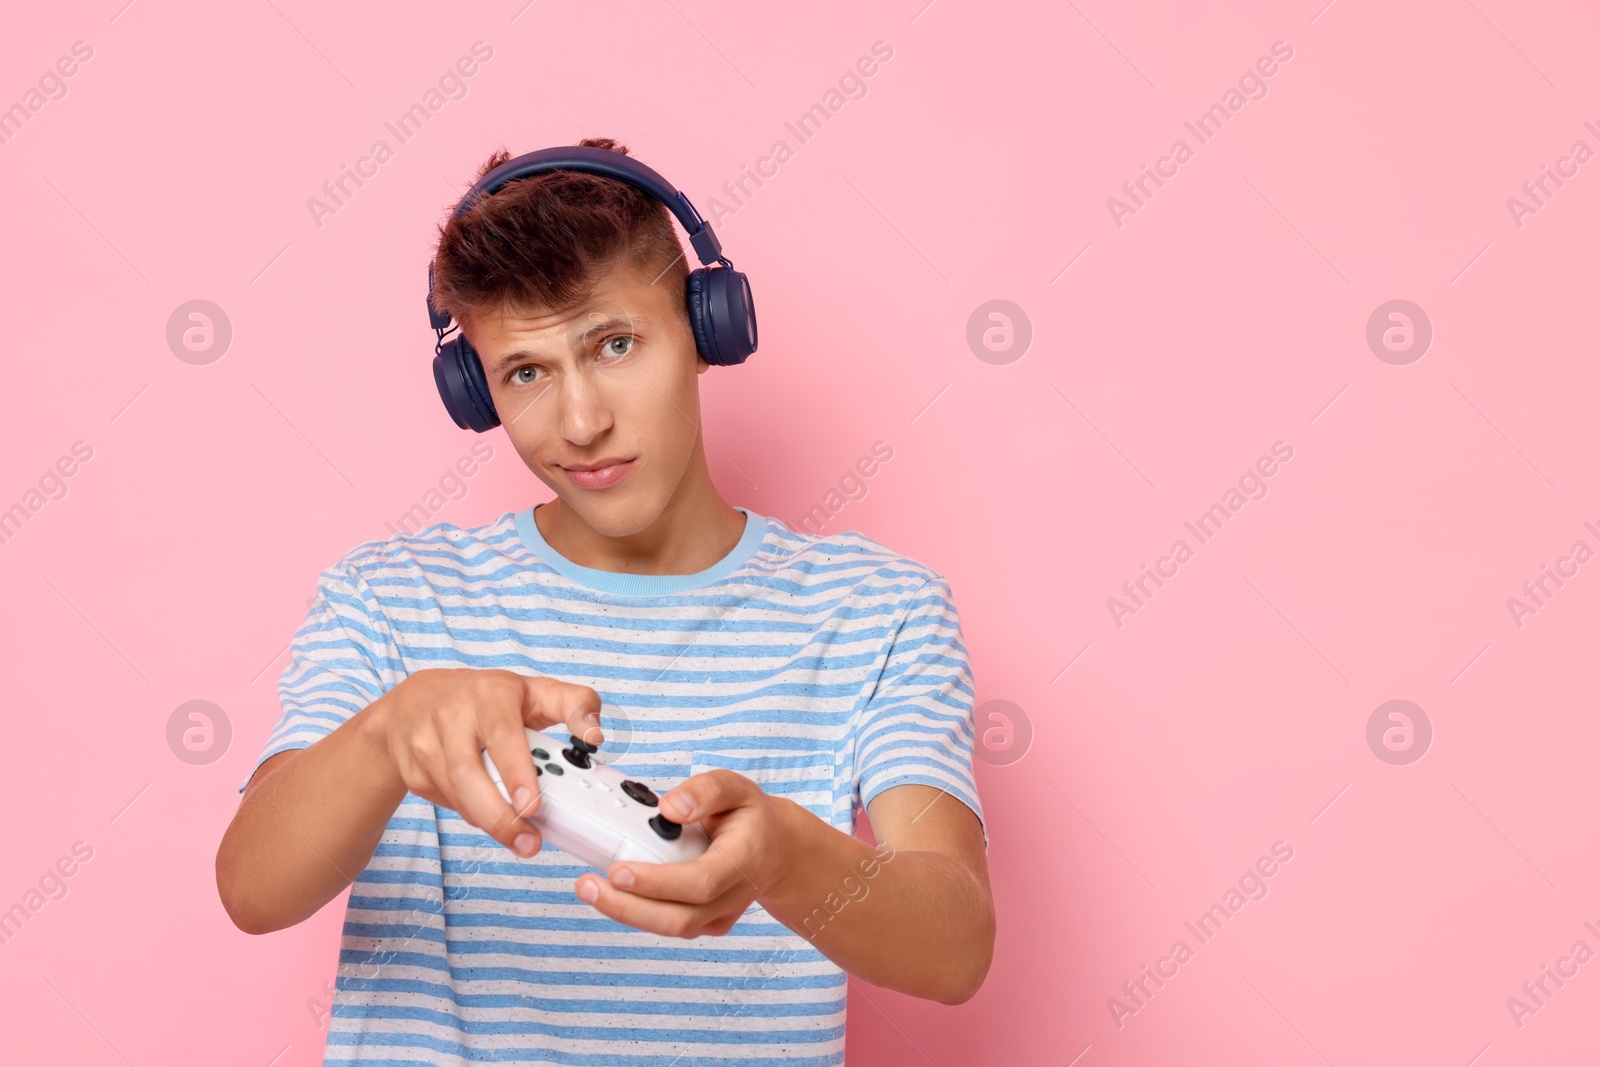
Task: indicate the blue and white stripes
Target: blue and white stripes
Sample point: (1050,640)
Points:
(826,668)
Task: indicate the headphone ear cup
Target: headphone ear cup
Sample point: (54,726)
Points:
(723,315)
(462,386)
(695,297)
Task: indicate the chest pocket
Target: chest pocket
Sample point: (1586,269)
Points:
(807,778)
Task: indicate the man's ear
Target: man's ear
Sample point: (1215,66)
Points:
(701,365)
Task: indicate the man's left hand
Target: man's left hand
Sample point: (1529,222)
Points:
(752,844)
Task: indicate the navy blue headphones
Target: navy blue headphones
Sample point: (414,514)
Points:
(721,311)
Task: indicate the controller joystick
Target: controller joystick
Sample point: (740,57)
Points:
(641,792)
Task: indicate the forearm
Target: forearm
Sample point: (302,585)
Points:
(914,921)
(305,829)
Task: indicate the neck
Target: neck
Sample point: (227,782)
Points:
(695,530)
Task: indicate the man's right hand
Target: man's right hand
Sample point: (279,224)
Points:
(436,724)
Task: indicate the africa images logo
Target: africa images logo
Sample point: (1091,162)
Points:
(1252,85)
(1252,485)
(451,85)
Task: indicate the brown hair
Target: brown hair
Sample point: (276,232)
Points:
(544,242)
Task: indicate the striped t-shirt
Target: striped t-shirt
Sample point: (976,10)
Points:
(825,668)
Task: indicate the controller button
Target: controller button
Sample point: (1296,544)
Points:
(640,792)
(619,803)
(667,831)
(537,770)
(583,783)
(555,768)
(540,753)
(576,757)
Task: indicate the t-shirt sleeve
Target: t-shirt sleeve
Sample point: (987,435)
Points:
(340,660)
(917,726)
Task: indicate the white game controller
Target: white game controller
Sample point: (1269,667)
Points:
(589,809)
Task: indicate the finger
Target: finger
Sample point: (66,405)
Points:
(574,708)
(700,881)
(667,918)
(503,736)
(706,794)
(473,795)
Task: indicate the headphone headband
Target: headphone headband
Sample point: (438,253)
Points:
(606,164)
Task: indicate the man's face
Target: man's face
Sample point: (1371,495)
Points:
(613,381)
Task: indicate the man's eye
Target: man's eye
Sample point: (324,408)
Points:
(610,347)
(522,375)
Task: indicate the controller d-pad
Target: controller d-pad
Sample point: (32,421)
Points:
(665,829)
(640,792)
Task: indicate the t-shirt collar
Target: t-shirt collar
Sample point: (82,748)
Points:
(755,530)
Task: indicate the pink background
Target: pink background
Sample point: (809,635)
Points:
(1228,313)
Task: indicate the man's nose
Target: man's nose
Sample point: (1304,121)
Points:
(584,415)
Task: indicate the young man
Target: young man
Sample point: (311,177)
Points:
(778,682)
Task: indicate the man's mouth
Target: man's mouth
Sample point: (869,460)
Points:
(599,474)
